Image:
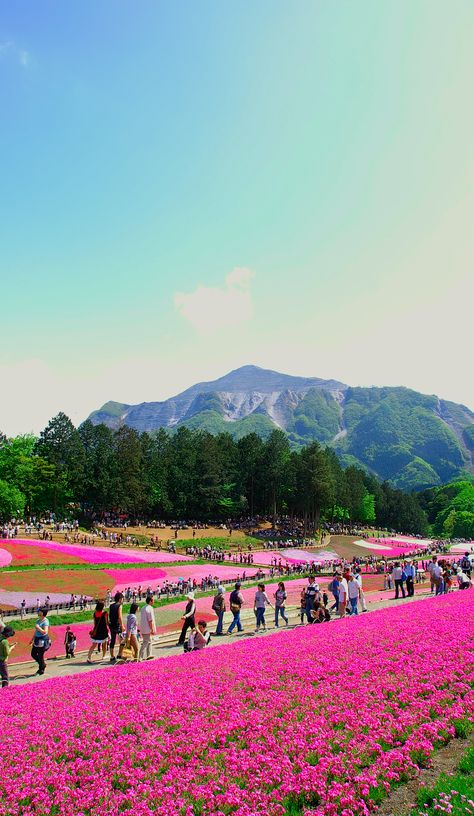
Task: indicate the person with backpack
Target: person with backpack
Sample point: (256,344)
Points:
(40,641)
(219,607)
(69,643)
(466,565)
(5,650)
(236,602)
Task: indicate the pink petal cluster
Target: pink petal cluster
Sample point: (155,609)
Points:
(313,721)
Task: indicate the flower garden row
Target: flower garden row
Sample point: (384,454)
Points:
(321,720)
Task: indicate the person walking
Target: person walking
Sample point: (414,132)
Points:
(236,602)
(358,578)
(280,603)
(311,595)
(353,592)
(40,640)
(334,588)
(260,603)
(398,579)
(410,573)
(433,570)
(115,624)
(147,628)
(100,631)
(219,607)
(343,597)
(69,643)
(189,621)
(5,651)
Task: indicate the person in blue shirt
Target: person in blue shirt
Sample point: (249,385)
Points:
(410,575)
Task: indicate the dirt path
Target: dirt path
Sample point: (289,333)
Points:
(402,800)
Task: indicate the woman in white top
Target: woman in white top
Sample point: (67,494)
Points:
(261,601)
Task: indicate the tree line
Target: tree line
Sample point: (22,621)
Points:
(190,474)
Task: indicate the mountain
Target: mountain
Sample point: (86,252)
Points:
(413,440)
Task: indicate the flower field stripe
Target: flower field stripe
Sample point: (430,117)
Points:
(96,555)
(317,721)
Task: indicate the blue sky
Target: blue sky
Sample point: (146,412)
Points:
(187,188)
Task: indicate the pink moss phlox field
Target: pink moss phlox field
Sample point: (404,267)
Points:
(311,721)
(294,556)
(104,555)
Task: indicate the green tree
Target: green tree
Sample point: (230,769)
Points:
(275,460)
(12,501)
(60,444)
(129,481)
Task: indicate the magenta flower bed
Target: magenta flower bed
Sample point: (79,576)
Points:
(294,556)
(105,555)
(134,577)
(248,730)
(394,547)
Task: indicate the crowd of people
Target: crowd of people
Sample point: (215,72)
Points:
(132,638)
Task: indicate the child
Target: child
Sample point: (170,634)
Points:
(5,649)
(69,643)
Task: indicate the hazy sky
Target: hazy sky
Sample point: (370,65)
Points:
(190,187)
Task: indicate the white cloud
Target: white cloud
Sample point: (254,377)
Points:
(9,49)
(210,308)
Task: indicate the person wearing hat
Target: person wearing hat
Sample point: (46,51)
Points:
(188,618)
(5,649)
(219,607)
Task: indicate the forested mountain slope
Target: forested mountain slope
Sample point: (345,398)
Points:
(413,440)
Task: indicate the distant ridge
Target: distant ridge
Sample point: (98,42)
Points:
(413,440)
